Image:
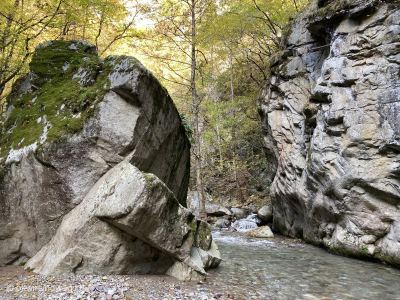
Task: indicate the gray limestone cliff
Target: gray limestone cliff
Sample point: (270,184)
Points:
(331,122)
(89,148)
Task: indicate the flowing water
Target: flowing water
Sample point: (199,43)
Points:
(283,268)
(244,225)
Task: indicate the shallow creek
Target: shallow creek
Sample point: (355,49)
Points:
(283,268)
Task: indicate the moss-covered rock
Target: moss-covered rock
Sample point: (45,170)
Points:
(66,80)
(72,119)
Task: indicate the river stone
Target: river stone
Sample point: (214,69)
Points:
(330,117)
(265,214)
(239,213)
(218,210)
(261,232)
(209,259)
(120,228)
(222,223)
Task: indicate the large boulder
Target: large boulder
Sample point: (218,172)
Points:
(121,226)
(331,128)
(69,123)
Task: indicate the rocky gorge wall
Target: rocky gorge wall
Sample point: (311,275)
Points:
(331,123)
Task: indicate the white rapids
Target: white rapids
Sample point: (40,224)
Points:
(247,224)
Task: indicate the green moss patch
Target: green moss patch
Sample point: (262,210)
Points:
(61,98)
(53,59)
(203,236)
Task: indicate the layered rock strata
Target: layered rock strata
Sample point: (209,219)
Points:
(331,121)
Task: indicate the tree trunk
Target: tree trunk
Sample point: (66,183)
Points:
(221,160)
(215,98)
(197,153)
(238,187)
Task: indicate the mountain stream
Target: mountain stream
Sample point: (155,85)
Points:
(283,268)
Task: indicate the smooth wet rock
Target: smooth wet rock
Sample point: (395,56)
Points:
(330,117)
(239,213)
(222,223)
(261,232)
(265,214)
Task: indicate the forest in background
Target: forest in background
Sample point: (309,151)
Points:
(212,56)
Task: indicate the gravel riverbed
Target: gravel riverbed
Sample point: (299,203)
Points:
(16,283)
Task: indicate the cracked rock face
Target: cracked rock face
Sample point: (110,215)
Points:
(331,121)
(130,124)
(129,223)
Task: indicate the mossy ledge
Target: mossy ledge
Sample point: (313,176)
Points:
(66,80)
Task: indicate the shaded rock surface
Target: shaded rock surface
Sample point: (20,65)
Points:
(216,209)
(222,223)
(265,214)
(331,128)
(69,124)
(239,213)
